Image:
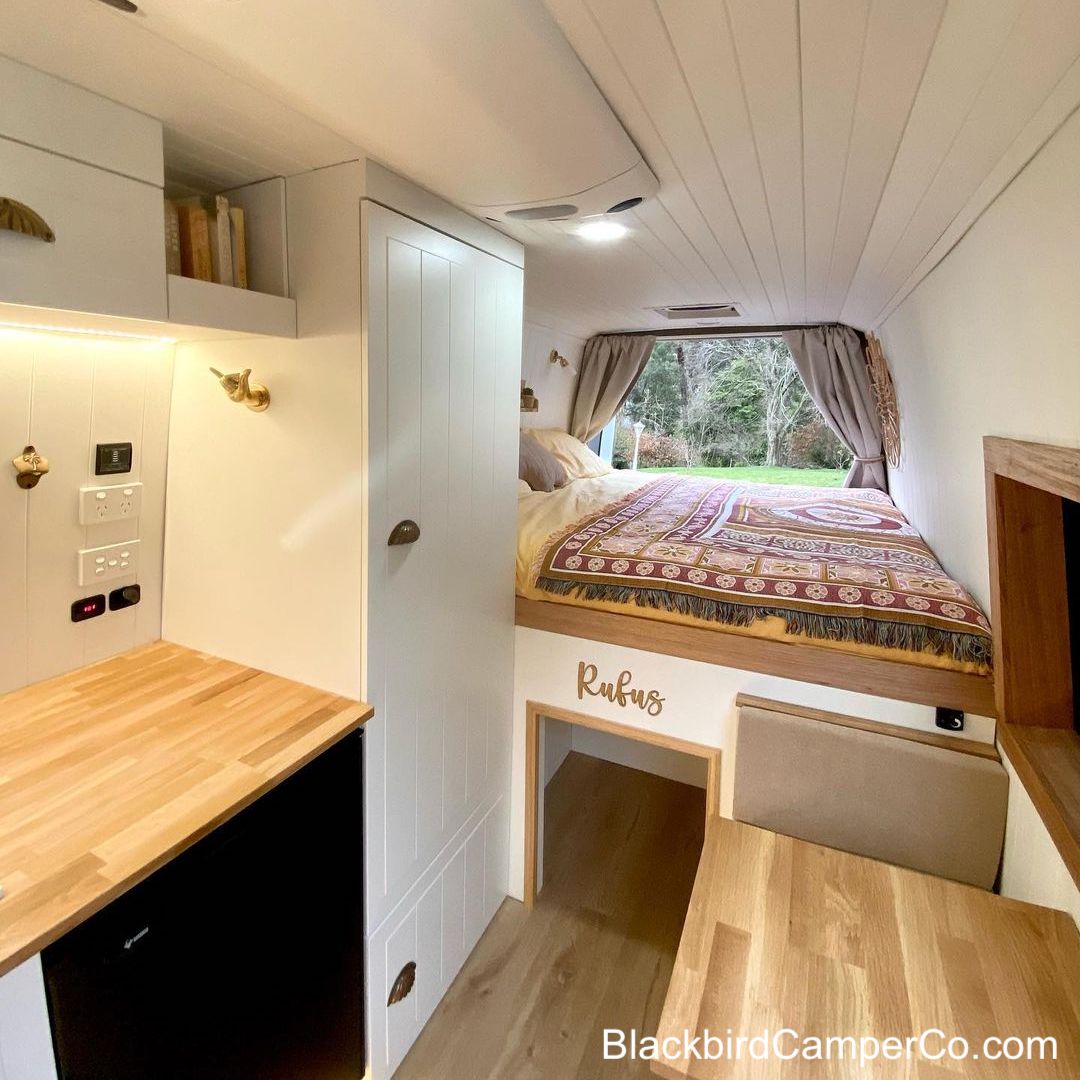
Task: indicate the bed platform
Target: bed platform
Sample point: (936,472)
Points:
(818,664)
(824,586)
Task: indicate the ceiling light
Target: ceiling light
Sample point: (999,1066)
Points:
(602,230)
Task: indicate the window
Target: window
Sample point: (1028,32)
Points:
(732,407)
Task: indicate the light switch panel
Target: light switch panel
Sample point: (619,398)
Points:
(105,563)
(116,502)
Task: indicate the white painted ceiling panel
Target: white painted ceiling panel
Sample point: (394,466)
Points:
(969,43)
(766,40)
(899,40)
(816,158)
(829,28)
(855,140)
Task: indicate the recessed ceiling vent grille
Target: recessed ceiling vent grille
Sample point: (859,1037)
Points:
(557,212)
(699,311)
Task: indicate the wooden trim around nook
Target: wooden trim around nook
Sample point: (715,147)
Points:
(1027,484)
(536,711)
(877,727)
(801,662)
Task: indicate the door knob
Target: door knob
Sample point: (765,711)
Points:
(404,532)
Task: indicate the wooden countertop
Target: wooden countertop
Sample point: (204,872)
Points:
(109,771)
(785,934)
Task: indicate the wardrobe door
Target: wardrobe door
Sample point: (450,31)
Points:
(442,327)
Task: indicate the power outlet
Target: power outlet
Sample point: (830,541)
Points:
(117,502)
(949,719)
(105,563)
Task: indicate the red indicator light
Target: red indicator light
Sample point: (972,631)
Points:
(89,607)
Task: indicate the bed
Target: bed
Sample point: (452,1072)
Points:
(822,584)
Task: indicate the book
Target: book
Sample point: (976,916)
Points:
(195,259)
(238,233)
(217,208)
(172,238)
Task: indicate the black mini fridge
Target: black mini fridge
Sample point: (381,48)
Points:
(242,958)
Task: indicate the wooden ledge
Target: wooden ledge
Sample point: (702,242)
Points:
(1047,761)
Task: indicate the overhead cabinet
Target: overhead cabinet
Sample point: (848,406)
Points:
(93,171)
(107,256)
(88,176)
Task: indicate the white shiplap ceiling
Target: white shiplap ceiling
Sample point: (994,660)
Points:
(816,157)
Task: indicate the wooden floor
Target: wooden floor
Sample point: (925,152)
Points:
(620,852)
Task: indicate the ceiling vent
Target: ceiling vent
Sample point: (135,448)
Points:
(614,195)
(556,212)
(699,311)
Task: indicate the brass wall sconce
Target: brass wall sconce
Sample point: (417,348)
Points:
(239,388)
(557,358)
(30,467)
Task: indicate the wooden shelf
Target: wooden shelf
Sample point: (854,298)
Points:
(221,307)
(1047,760)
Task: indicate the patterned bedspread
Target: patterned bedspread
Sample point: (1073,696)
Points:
(835,564)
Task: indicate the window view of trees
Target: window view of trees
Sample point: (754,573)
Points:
(722,403)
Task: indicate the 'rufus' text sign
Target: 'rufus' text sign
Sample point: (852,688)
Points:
(618,692)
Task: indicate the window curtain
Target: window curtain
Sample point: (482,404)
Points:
(610,366)
(832,364)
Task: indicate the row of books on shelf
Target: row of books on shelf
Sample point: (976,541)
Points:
(205,239)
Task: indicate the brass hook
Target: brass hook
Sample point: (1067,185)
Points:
(239,388)
(30,467)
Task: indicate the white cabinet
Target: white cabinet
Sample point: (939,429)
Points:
(94,171)
(109,255)
(443,349)
(26,1051)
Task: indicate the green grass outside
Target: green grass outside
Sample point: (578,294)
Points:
(765,474)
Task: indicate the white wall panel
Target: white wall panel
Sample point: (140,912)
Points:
(26,1051)
(985,347)
(16,374)
(265,516)
(1032,868)
(553,384)
(65,393)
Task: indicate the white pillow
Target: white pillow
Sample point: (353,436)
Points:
(572,454)
(523,488)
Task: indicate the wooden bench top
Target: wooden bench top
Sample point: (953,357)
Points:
(781,933)
(111,770)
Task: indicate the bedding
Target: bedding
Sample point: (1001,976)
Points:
(537,466)
(841,567)
(579,462)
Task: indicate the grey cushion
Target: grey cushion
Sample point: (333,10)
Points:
(538,467)
(925,807)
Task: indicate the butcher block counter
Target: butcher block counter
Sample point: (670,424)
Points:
(787,936)
(111,770)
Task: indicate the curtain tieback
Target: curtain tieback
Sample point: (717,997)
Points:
(869,460)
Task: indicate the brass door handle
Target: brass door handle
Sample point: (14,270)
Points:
(404,532)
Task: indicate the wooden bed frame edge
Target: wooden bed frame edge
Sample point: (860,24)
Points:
(801,662)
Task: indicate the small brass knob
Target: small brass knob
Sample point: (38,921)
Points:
(30,467)
(404,532)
